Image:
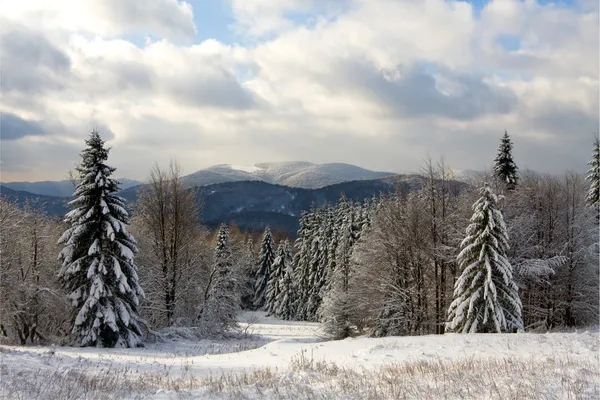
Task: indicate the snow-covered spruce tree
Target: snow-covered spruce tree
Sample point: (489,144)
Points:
(317,264)
(336,308)
(222,294)
(593,176)
(249,261)
(284,307)
(263,271)
(302,263)
(348,233)
(98,269)
(486,298)
(505,168)
(275,278)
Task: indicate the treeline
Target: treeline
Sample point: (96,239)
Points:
(519,252)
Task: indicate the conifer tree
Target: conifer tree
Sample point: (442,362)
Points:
(285,303)
(486,296)
(332,247)
(302,264)
(317,264)
(247,301)
(335,310)
(98,269)
(593,176)
(347,234)
(221,304)
(278,270)
(263,272)
(505,168)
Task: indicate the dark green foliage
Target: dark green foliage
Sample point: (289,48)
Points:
(505,168)
(98,269)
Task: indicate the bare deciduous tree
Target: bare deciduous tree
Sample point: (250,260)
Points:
(173,250)
(32,304)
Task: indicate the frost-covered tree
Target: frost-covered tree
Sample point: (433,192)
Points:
(319,250)
(263,272)
(593,176)
(167,224)
(302,263)
(285,302)
(387,281)
(249,265)
(505,168)
(222,295)
(336,307)
(486,297)
(32,306)
(278,270)
(98,269)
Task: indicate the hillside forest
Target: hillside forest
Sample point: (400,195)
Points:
(501,251)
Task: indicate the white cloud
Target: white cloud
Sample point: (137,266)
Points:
(375,83)
(172,19)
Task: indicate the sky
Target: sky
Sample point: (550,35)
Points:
(382,84)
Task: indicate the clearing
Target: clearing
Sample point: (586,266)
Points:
(270,358)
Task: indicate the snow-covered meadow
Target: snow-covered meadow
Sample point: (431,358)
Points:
(270,358)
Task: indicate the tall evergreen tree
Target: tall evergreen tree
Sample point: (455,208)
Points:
(317,265)
(247,302)
(302,263)
(505,168)
(486,297)
(278,270)
(263,272)
(284,306)
(98,269)
(593,176)
(222,297)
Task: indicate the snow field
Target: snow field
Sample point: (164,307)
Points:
(279,359)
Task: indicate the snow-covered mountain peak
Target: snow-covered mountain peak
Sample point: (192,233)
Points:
(300,174)
(246,168)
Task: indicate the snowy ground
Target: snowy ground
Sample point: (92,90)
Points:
(280,359)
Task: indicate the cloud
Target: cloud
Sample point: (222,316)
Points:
(163,18)
(30,63)
(13,127)
(171,19)
(410,92)
(376,83)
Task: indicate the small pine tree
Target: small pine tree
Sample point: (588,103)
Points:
(98,269)
(593,196)
(221,304)
(284,303)
(505,168)
(263,272)
(486,296)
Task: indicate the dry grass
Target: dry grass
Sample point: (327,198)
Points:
(438,379)
(308,378)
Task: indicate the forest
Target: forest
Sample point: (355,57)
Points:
(500,251)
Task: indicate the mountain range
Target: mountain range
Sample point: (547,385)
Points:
(297,174)
(249,196)
(251,205)
(62,188)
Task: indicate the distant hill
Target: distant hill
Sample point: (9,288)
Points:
(253,205)
(53,205)
(298,174)
(62,188)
